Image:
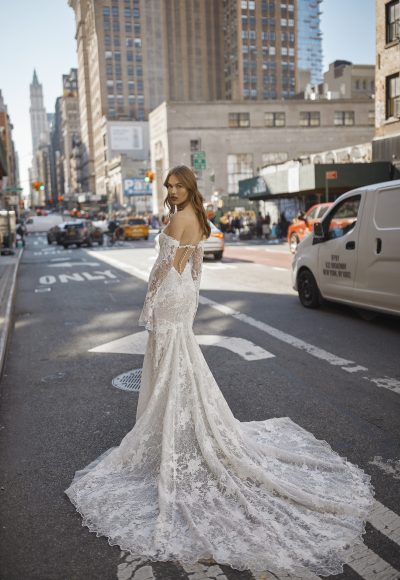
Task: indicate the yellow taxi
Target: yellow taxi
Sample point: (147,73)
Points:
(134,228)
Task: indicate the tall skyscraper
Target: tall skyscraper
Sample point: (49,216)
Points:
(309,43)
(39,123)
(135,54)
(260,49)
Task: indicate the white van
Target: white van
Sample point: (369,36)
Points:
(353,255)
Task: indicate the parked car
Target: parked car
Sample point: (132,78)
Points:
(81,233)
(353,254)
(134,228)
(303,225)
(214,245)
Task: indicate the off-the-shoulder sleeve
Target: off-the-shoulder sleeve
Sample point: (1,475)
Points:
(162,266)
(197,266)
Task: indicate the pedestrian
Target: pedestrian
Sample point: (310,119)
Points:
(259,225)
(190,481)
(20,231)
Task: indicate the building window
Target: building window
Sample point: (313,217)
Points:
(275,119)
(371,117)
(115,11)
(310,119)
(239,120)
(239,166)
(393,96)
(344,118)
(393,21)
(195,145)
(106,11)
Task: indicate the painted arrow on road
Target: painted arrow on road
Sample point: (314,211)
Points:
(136,344)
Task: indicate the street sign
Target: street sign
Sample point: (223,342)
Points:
(331,175)
(199,159)
(137,186)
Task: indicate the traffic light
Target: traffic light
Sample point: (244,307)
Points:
(149,176)
(38,185)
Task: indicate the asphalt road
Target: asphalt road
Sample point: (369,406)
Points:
(332,372)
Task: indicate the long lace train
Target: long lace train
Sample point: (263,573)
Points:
(190,481)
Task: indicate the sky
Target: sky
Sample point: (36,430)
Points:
(40,34)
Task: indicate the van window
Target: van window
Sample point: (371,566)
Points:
(343,218)
(387,209)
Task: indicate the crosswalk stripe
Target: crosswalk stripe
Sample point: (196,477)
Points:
(370,566)
(385,521)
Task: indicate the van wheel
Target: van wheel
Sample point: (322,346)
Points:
(308,290)
(293,243)
(65,246)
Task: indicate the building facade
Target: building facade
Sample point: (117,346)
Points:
(260,58)
(345,80)
(39,121)
(309,43)
(386,144)
(237,139)
(134,55)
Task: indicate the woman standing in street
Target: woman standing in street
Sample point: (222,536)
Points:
(190,481)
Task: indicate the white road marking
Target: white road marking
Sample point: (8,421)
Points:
(70,264)
(244,348)
(219,266)
(78,277)
(202,572)
(134,568)
(387,382)
(370,566)
(59,259)
(136,344)
(389,466)
(280,269)
(42,289)
(386,521)
(47,280)
(355,369)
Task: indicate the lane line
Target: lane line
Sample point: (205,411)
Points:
(385,521)
(319,353)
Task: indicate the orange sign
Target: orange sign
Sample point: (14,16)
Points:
(331,175)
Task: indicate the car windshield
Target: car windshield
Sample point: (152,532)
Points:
(136,222)
(77,225)
(323,210)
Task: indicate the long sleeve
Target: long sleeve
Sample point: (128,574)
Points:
(197,266)
(162,266)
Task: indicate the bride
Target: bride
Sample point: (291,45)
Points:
(190,481)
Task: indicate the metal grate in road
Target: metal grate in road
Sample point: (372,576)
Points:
(129,381)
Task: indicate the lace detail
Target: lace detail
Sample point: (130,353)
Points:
(191,482)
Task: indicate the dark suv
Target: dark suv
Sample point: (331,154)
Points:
(81,233)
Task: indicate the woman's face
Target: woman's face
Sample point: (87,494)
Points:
(177,192)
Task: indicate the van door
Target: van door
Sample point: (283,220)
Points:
(337,255)
(378,275)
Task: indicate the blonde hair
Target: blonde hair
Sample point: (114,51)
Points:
(188,180)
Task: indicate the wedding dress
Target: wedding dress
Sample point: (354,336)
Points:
(191,482)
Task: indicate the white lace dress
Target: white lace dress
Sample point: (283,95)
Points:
(191,482)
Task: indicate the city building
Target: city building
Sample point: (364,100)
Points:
(345,80)
(39,120)
(134,55)
(70,135)
(386,143)
(226,141)
(260,57)
(309,44)
(10,158)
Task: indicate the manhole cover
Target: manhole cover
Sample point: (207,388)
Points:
(129,381)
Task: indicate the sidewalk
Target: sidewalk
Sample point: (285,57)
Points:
(8,276)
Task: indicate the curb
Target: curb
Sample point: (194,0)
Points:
(4,336)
